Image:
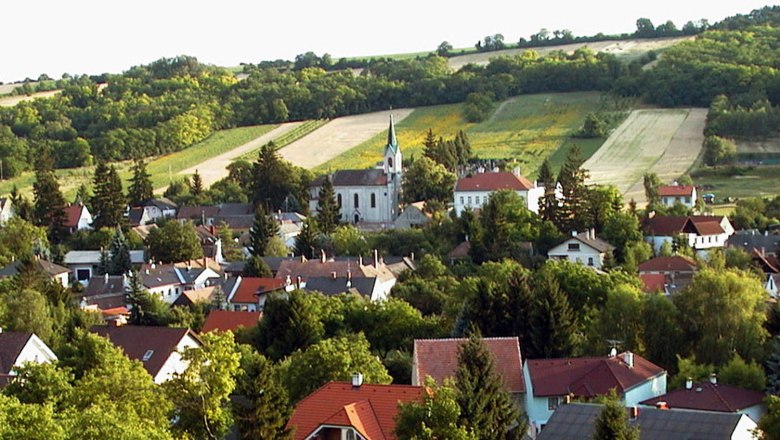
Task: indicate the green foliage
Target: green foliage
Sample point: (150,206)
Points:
(612,423)
(289,323)
(27,311)
(49,204)
(573,212)
(265,413)
(435,418)
(554,329)
(263,228)
(174,242)
(739,373)
(348,240)
(662,336)
(256,267)
(306,243)
(618,320)
(119,250)
(328,216)
(427,180)
(20,239)
(140,188)
(719,151)
(34,422)
(108,203)
(478,107)
(274,181)
(769,424)
(41,384)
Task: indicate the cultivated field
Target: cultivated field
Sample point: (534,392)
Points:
(663,141)
(623,48)
(10,101)
(338,136)
(528,128)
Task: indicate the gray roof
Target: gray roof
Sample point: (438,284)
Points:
(100,285)
(46,267)
(752,239)
(575,421)
(162,203)
(159,275)
(93,257)
(231,209)
(594,242)
(369,177)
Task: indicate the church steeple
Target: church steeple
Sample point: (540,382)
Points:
(392,141)
(393,158)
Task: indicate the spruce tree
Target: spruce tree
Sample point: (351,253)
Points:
(462,148)
(612,422)
(267,408)
(328,216)
(486,408)
(21,205)
(429,145)
(548,203)
(49,205)
(196,185)
(272,178)
(263,228)
(140,188)
(105,262)
(120,262)
(553,327)
(306,241)
(573,210)
(108,203)
(255,266)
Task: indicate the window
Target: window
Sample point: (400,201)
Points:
(469,200)
(477,200)
(389,162)
(590,261)
(461,200)
(687,200)
(552,403)
(357,201)
(574,247)
(373,200)
(350,434)
(82,274)
(147,355)
(338,200)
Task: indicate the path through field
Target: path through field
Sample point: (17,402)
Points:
(661,141)
(216,167)
(338,136)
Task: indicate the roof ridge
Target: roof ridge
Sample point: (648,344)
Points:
(720,397)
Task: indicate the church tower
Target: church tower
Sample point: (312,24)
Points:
(393,162)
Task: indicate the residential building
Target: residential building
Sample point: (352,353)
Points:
(224,320)
(18,348)
(105,292)
(159,349)
(413,216)
(249,293)
(77,218)
(576,421)
(671,194)
(712,396)
(750,239)
(6,210)
(583,248)
(170,280)
(202,215)
(195,296)
(210,242)
(474,191)
(700,232)
(367,196)
(150,211)
(55,272)
(84,264)
(667,274)
(551,382)
(342,410)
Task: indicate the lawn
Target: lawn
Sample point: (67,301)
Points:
(741,182)
(527,128)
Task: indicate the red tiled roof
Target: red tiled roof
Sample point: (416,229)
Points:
(370,409)
(588,377)
(72,215)
(493,182)
(708,227)
(706,396)
(250,287)
(653,282)
(224,320)
(438,358)
(675,190)
(116,311)
(675,263)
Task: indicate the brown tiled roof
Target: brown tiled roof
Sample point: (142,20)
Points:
(588,377)
(675,190)
(461,251)
(136,341)
(189,297)
(594,242)
(493,182)
(72,215)
(251,287)
(318,268)
(438,358)
(712,227)
(370,409)
(224,320)
(706,396)
(653,282)
(667,226)
(675,263)
(196,212)
(11,345)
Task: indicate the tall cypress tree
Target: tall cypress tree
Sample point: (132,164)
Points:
(486,408)
(108,203)
(573,212)
(462,147)
(548,203)
(196,185)
(263,228)
(328,216)
(553,327)
(49,205)
(140,185)
(306,241)
(119,250)
(612,423)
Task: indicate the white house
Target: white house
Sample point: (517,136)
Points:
(671,194)
(168,281)
(551,382)
(474,191)
(413,216)
(77,218)
(55,272)
(151,211)
(367,196)
(771,286)
(159,349)
(701,232)
(18,348)
(583,248)
(6,210)
(84,264)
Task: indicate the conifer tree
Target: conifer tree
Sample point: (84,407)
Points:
(548,203)
(773,368)
(328,216)
(486,408)
(306,241)
(429,145)
(272,178)
(573,212)
(120,262)
(140,185)
(108,203)
(553,327)
(462,148)
(21,205)
(196,185)
(255,266)
(263,228)
(612,422)
(105,262)
(267,408)
(49,206)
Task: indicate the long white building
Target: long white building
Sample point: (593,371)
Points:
(474,191)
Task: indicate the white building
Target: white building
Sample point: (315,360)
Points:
(84,264)
(474,191)
(671,194)
(583,248)
(371,195)
(6,210)
(701,232)
(77,218)
(18,348)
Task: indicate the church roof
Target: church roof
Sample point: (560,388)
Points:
(372,177)
(392,141)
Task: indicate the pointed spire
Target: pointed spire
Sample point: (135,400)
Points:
(392,142)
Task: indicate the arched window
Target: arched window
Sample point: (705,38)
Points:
(357,218)
(357,201)
(338,200)
(373,200)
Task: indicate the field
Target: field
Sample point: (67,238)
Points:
(528,128)
(663,141)
(10,101)
(741,182)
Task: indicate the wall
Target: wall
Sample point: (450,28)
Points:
(175,364)
(581,256)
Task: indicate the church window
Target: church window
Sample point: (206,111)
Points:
(373,200)
(357,201)
(389,162)
(338,200)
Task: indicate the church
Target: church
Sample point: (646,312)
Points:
(369,196)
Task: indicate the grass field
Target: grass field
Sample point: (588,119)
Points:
(527,128)
(741,182)
(291,136)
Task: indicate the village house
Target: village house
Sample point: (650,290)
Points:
(582,248)
(413,216)
(474,191)
(700,232)
(168,281)
(105,292)
(77,218)
(84,264)
(6,210)
(150,211)
(667,274)
(249,293)
(159,349)
(369,196)
(18,348)
(683,194)
(550,383)
(55,272)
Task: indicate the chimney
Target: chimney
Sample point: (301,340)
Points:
(287,281)
(688,383)
(323,256)
(411,256)
(105,278)
(592,233)
(573,233)
(613,352)
(360,260)
(333,275)
(628,358)
(714,379)
(357,380)
(634,412)
(298,282)
(567,399)
(153,265)
(662,405)
(376,258)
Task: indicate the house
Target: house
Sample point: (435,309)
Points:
(438,358)
(700,232)
(105,292)
(654,283)
(364,286)
(224,320)
(202,215)
(249,293)
(151,211)
(170,280)
(18,348)
(210,242)
(712,396)
(550,382)
(55,272)
(159,349)
(194,296)
(583,248)
(6,210)
(77,218)
(84,264)
(237,216)
(370,195)
(474,191)
(667,274)
(290,225)
(671,194)
(343,410)
(413,216)
(747,240)
(576,421)
(772,285)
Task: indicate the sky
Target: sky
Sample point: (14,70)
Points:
(92,37)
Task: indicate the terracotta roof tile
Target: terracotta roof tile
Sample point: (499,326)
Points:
(675,263)
(675,190)
(72,215)
(706,396)
(438,358)
(493,182)
(250,287)
(653,282)
(224,320)
(371,409)
(667,226)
